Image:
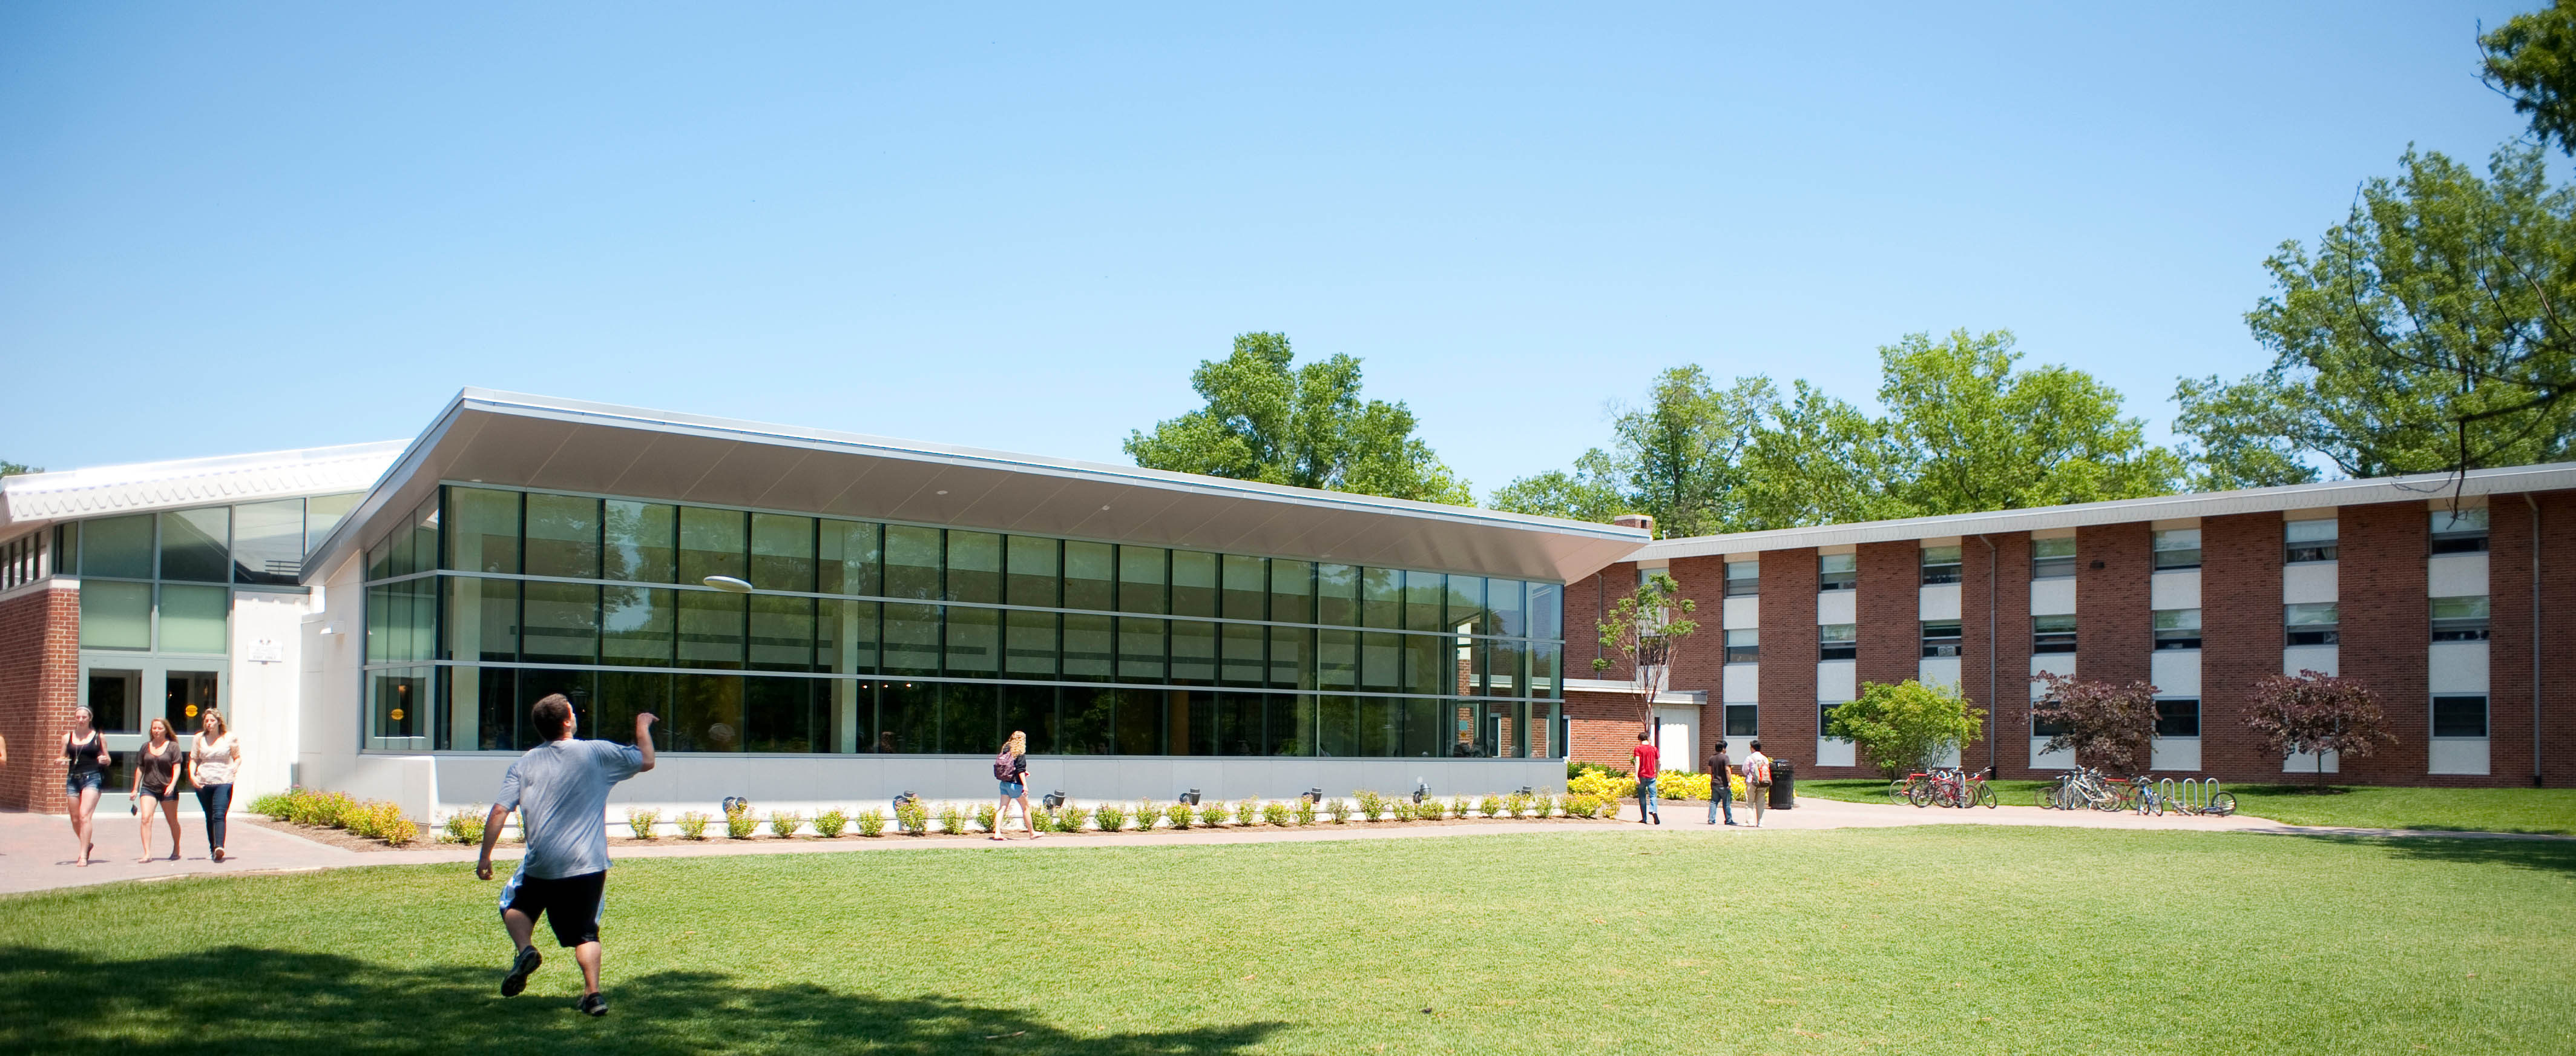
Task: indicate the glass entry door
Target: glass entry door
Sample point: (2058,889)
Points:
(124,696)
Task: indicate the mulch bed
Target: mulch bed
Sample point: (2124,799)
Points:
(327,835)
(715,832)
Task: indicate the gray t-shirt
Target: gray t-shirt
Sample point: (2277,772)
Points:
(560,789)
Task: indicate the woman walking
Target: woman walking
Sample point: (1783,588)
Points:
(86,752)
(156,784)
(213,755)
(1011,765)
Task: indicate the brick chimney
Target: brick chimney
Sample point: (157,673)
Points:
(1636,520)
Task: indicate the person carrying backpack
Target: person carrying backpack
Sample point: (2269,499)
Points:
(1011,768)
(1757,782)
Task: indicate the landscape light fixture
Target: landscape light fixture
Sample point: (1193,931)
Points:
(1525,790)
(1421,789)
(728,584)
(1190,797)
(906,797)
(1312,795)
(737,804)
(1052,800)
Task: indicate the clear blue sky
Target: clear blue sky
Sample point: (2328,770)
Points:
(240,227)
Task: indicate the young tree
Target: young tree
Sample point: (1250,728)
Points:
(1304,427)
(1647,627)
(2111,728)
(1902,728)
(2317,713)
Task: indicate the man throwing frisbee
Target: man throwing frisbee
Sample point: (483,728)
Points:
(560,789)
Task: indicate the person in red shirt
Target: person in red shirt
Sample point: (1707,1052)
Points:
(1647,759)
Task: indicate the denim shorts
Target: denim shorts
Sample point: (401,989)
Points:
(93,781)
(1012,789)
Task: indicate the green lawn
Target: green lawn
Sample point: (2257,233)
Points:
(1940,939)
(2541,810)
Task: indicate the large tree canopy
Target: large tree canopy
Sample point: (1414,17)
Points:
(1304,426)
(2430,331)
(11,469)
(1678,457)
(2531,58)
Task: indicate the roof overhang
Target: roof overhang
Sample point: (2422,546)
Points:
(37,499)
(2419,488)
(553,444)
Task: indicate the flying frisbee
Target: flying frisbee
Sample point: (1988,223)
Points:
(728,583)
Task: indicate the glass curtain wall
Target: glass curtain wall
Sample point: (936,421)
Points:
(864,637)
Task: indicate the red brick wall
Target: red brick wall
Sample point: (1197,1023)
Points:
(1891,592)
(1787,719)
(2007,697)
(2114,630)
(39,687)
(2387,630)
(2240,637)
(1602,727)
(2558,638)
(1699,661)
(1584,609)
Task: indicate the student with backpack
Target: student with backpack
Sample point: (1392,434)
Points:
(1757,782)
(1011,768)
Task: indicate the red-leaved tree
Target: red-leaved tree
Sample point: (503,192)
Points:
(2316,713)
(2112,728)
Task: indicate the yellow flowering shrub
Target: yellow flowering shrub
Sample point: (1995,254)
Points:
(1674,784)
(1599,785)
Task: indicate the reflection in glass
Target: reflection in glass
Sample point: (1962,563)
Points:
(1193,583)
(637,625)
(1291,658)
(782,633)
(1503,599)
(1430,664)
(911,562)
(907,716)
(707,713)
(563,537)
(482,619)
(911,639)
(1292,591)
(1290,724)
(561,623)
(625,694)
(1029,710)
(196,544)
(1240,657)
(1086,725)
(641,537)
(1337,660)
(1032,571)
(1337,595)
(974,567)
(1423,592)
(1338,726)
(778,715)
(1140,650)
(1546,610)
(268,542)
(1381,662)
(851,561)
(1090,648)
(1029,645)
(713,543)
(1139,719)
(115,615)
(711,629)
(484,530)
(974,641)
(118,546)
(196,619)
(1247,587)
(1381,599)
(1193,653)
(782,552)
(323,514)
(967,712)
(1141,575)
(846,636)
(1090,576)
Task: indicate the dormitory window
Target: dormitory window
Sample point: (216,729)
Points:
(1837,571)
(1825,717)
(1941,639)
(2052,558)
(2177,548)
(2178,718)
(2463,716)
(2460,531)
(2177,628)
(2460,619)
(1740,721)
(1940,564)
(1838,641)
(2052,634)
(2311,624)
(2310,541)
(1743,647)
(1743,579)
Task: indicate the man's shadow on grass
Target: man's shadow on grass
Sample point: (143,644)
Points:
(2553,856)
(242,999)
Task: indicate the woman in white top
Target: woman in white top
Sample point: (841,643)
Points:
(213,754)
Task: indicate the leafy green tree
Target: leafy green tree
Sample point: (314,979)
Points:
(11,469)
(2531,58)
(1976,434)
(1677,458)
(1589,492)
(1904,727)
(1647,627)
(2429,332)
(1822,460)
(1304,426)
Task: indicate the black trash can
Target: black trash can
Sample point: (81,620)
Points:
(1784,784)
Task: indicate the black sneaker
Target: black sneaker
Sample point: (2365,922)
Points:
(592,1004)
(520,968)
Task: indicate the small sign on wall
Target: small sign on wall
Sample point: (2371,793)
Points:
(266,651)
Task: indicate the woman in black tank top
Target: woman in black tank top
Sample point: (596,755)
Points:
(85,753)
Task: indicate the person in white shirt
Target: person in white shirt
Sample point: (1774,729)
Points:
(1757,782)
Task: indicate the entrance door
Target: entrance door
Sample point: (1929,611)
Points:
(118,702)
(1677,738)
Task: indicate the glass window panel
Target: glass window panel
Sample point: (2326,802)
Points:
(1193,583)
(2456,522)
(1381,661)
(194,619)
(1743,720)
(907,714)
(2460,608)
(397,705)
(419,553)
(379,621)
(1238,724)
(782,633)
(1430,665)
(2177,548)
(2317,531)
(974,567)
(2460,716)
(2312,615)
(713,543)
(1462,662)
(626,694)
(1029,643)
(1337,660)
(562,623)
(911,562)
(268,542)
(911,640)
(119,546)
(1381,726)
(711,629)
(851,560)
(1034,571)
(196,544)
(1140,721)
(1338,724)
(1029,710)
(1090,649)
(323,514)
(1140,650)
(1193,723)
(1508,677)
(1247,588)
(483,620)
(1504,598)
(637,625)
(1090,576)
(1087,714)
(115,615)
(1467,606)
(563,537)
(641,537)
(2177,718)
(1546,611)
(1743,579)
(974,641)
(1423,592)
(967,712)
(1292,591)
(1141,575)
(779,715)
(1291,658)
(782,552)
(535,684)
(486,535)
(1288,724)
(1381,599)
(1337,595)
(1193,652)
(1241,655)
(847,636)
(707,713)
(1425,734)
(1543,668)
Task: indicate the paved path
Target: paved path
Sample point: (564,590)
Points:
(36,849)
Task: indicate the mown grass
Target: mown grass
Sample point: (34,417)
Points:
(2525,810)
(1936,939)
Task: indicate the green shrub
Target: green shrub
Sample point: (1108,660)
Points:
(1214,814)
(739,823)
(1147,814)
(693,824)
(1338,809)
(1372,805)
(1247,811)
(872,822)
(1275,813)
(1109,816)
(1583,806)
(1305,811)
(1517,804)
(1490,806)
(987,816)
(1546,805)
(829,824)
(464,826)
(1399,809)
(1070,818)
(1179,814)
(951,820)
(784,824)
(640,822)
(1458,806)
(272,805)
(913,817)
(1574,769)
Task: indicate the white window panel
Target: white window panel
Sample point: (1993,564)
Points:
(2299,658)
(2061,664)
(1837,606)
(2457,667)
(2174,590)
(1939,601)
(1837,680)
(2041,759)
(1746,613)
(2309,583)
(2175,753)
(1831,752)
(2175,672)
(2455,575)
(1939,671)
(1741,684)
(2306,763)
(2458,755)
(2052,597)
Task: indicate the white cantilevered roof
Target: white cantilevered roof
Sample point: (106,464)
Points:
(2480,482)
(553,444)
(41,498)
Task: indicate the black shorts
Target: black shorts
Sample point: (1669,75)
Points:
(569,904)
